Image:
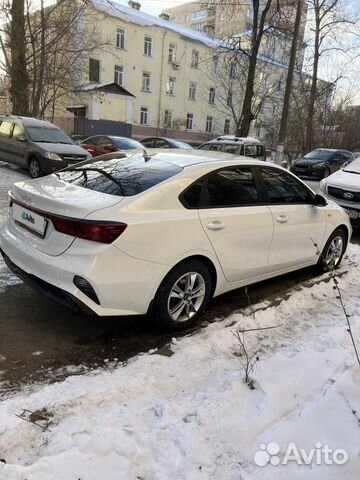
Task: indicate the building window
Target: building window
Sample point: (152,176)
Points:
(119,74)
(168,119)
(229,100)
(227,126)
(198,27)
(144,116)
(212,95)
(148,44)
(172,53)
(120,38)
(145,86)
(199,14)
(170,86)
(209,124)
(189,121)
(233,71)
(215,64)
(94,70)
(195,59)
(258,132)
(192,91)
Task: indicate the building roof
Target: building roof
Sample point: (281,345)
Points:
(141,18)
(109,87)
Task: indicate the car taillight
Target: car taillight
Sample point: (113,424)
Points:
(96,231)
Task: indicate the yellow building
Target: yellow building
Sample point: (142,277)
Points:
(163,78)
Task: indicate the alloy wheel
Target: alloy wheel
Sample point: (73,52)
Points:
(186,297)
(34,168)
(334,252)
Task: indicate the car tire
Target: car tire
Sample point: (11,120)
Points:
(34,167)
(182,296)
(333,251)
(326,172)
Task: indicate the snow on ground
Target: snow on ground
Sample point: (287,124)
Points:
(8,175)
(191,417)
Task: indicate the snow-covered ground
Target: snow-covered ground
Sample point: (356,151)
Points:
(8,175)
(190,416)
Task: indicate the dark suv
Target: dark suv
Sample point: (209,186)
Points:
(320,163)
(37,145)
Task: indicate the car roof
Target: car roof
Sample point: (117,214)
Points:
(186,158)
(231,139)
(28,121)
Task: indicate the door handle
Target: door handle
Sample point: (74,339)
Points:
(215,225)
(282,219)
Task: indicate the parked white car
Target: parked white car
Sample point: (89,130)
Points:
(165,233)
(343,187)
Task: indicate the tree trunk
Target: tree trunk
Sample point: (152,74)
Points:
(290,75)
(18,72)
(309,135)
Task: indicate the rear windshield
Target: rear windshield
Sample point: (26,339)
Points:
(48,135)
(319,155)
(123,177)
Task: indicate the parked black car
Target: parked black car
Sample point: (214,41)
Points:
(320,163)
(161,142)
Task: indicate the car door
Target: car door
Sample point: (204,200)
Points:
(18,144)
(238,226)
(148,142)
(298,223)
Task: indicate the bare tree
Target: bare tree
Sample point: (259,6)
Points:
(327,19)
(57,41)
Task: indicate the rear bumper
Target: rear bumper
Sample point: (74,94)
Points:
(123,285)
(309,173)
(51,291)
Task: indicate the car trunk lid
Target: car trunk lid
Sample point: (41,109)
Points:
(36,204)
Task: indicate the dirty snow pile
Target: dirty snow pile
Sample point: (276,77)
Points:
(191,417)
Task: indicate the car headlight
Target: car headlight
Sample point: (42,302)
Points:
(53,156)
(319,165)
(323,185)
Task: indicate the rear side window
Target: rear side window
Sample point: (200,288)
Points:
(283,188)
(5,129)
(119,176)
(231,187)
(231,148)
(206,146)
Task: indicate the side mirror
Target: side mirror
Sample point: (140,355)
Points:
(21,138)
(320,201)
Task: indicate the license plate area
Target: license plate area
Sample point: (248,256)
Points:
(29,220)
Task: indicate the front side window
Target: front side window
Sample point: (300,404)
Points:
(120,38)
(170,86)
(231,187)
(231,149)
(148,46)
(144,116)
(146,77)
(189,121)
(281,187)
(209,124)
(119,74)
(94,70)
(18,131)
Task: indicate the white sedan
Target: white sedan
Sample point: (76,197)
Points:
(343,187)
(166,232)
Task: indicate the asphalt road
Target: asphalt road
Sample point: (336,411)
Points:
(43,341)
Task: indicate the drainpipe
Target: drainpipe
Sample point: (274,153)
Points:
(161,81)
